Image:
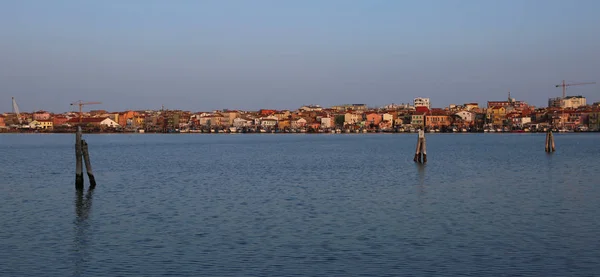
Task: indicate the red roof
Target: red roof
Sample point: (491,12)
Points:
(421,109)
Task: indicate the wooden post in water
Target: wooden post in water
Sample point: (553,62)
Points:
(88,164)
(417,158)
(550,146)
(78,164)
(421,152)
(424,149)
(547,144)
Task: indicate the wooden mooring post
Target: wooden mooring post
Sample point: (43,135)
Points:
(78,163)
(550,146)
(88,164)
(81,152)
(421,152)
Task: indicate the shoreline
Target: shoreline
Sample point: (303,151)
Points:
(291,133)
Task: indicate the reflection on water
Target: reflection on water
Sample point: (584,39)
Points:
(421,172)
(83,206)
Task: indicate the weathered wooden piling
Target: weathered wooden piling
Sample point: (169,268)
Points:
(88,164)
(418,151)
(421,152)
(424,149)
(550,146)
(547,144)
(78,163)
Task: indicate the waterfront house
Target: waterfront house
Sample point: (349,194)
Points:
(2,121)
(575,118)
(373,119)
(204,120)
(298,123)
(352,118)
(268,122)
(284,124)
(41,124)
(417,120)
(229,116)
(519,120)
(326,122)
(125,117)
(466,116)
(388,116)
(594,121)
(241,122)
(218,120)
(211,120)
(498,115)
(437,121)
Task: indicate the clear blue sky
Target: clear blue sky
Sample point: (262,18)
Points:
(203,55)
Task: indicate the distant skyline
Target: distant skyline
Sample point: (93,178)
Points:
(210,55)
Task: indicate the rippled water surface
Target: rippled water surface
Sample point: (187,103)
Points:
(301,205)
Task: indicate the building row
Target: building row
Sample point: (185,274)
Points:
(571,113)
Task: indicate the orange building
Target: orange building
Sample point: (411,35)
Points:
(437,121)
(58,120)
(126,116)
(373,118)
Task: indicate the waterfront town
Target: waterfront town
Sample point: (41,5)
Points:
(563,114)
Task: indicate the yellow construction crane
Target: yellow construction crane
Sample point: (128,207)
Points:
(81,104)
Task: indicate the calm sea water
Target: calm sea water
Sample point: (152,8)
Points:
(301,205)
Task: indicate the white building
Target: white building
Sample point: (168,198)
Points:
(466,116)
(421,102)
(572,102)
(388,117)
(352,118)
(326,122)
(299,123)
(109,123)
(240,122)
(268,122)
(521,120)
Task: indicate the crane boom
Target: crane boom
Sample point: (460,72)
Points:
(565,85)
(81,104)
(16,110)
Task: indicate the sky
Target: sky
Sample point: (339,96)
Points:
(204,55)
